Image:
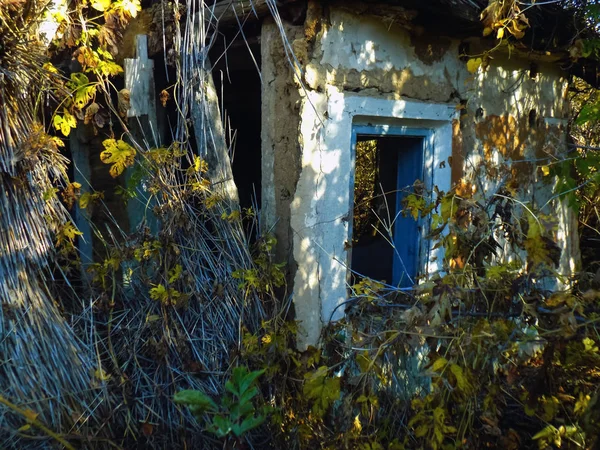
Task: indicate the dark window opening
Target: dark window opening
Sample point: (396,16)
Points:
(385,244)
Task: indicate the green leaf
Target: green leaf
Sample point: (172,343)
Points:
(363,361)
(248,395)
(593,12)
(239,410)
(323,390)
(249,424)
(588,113)
(248,379)
(84,200)
(548,432)
(231,387)
(200,401)
(49,194)
(221,426)
(414,205)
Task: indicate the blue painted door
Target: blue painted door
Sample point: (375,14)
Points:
(400,160)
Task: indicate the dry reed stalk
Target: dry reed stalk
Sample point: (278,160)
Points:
(130,357)
(44,369)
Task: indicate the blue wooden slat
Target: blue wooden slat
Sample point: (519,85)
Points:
(407,235)
(406,229)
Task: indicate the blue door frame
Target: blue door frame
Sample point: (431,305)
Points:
(406,232)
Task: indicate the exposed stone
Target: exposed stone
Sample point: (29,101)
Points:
(430,48)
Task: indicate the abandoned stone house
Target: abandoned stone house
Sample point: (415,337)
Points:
(393,74)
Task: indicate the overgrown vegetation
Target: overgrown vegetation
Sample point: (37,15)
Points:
(184,339)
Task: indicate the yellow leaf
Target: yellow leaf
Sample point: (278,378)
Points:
(49,67)
(175,273)
(100,5)
(24,428)
(100,374)
(500,34)
(545,170)
(487,31)
(84,200)
(461,380)
(58,141)
(30,415)
(129,7)
(421,430)
(69,118)
(200,165)
(69,231)
(582,403)
(439,364)
(474,64)
(118,153)
(59,16)
(65,129)
(357,424)
(159,293)
(152,318)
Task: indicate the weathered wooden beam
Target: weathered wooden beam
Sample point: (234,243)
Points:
(390,13)
(143,125)
(229,12)
(139,79)
(210,137)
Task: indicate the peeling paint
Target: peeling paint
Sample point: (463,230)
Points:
(503,134)
(430,48)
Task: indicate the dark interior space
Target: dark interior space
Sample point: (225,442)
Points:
(238,85)
(385,169)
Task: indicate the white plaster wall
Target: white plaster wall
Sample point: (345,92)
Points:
(378,57)
(364,43)
(506,86)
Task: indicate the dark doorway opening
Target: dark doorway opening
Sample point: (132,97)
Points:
(385,244)
(238,85)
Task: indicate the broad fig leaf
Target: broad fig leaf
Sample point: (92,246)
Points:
(118,153)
